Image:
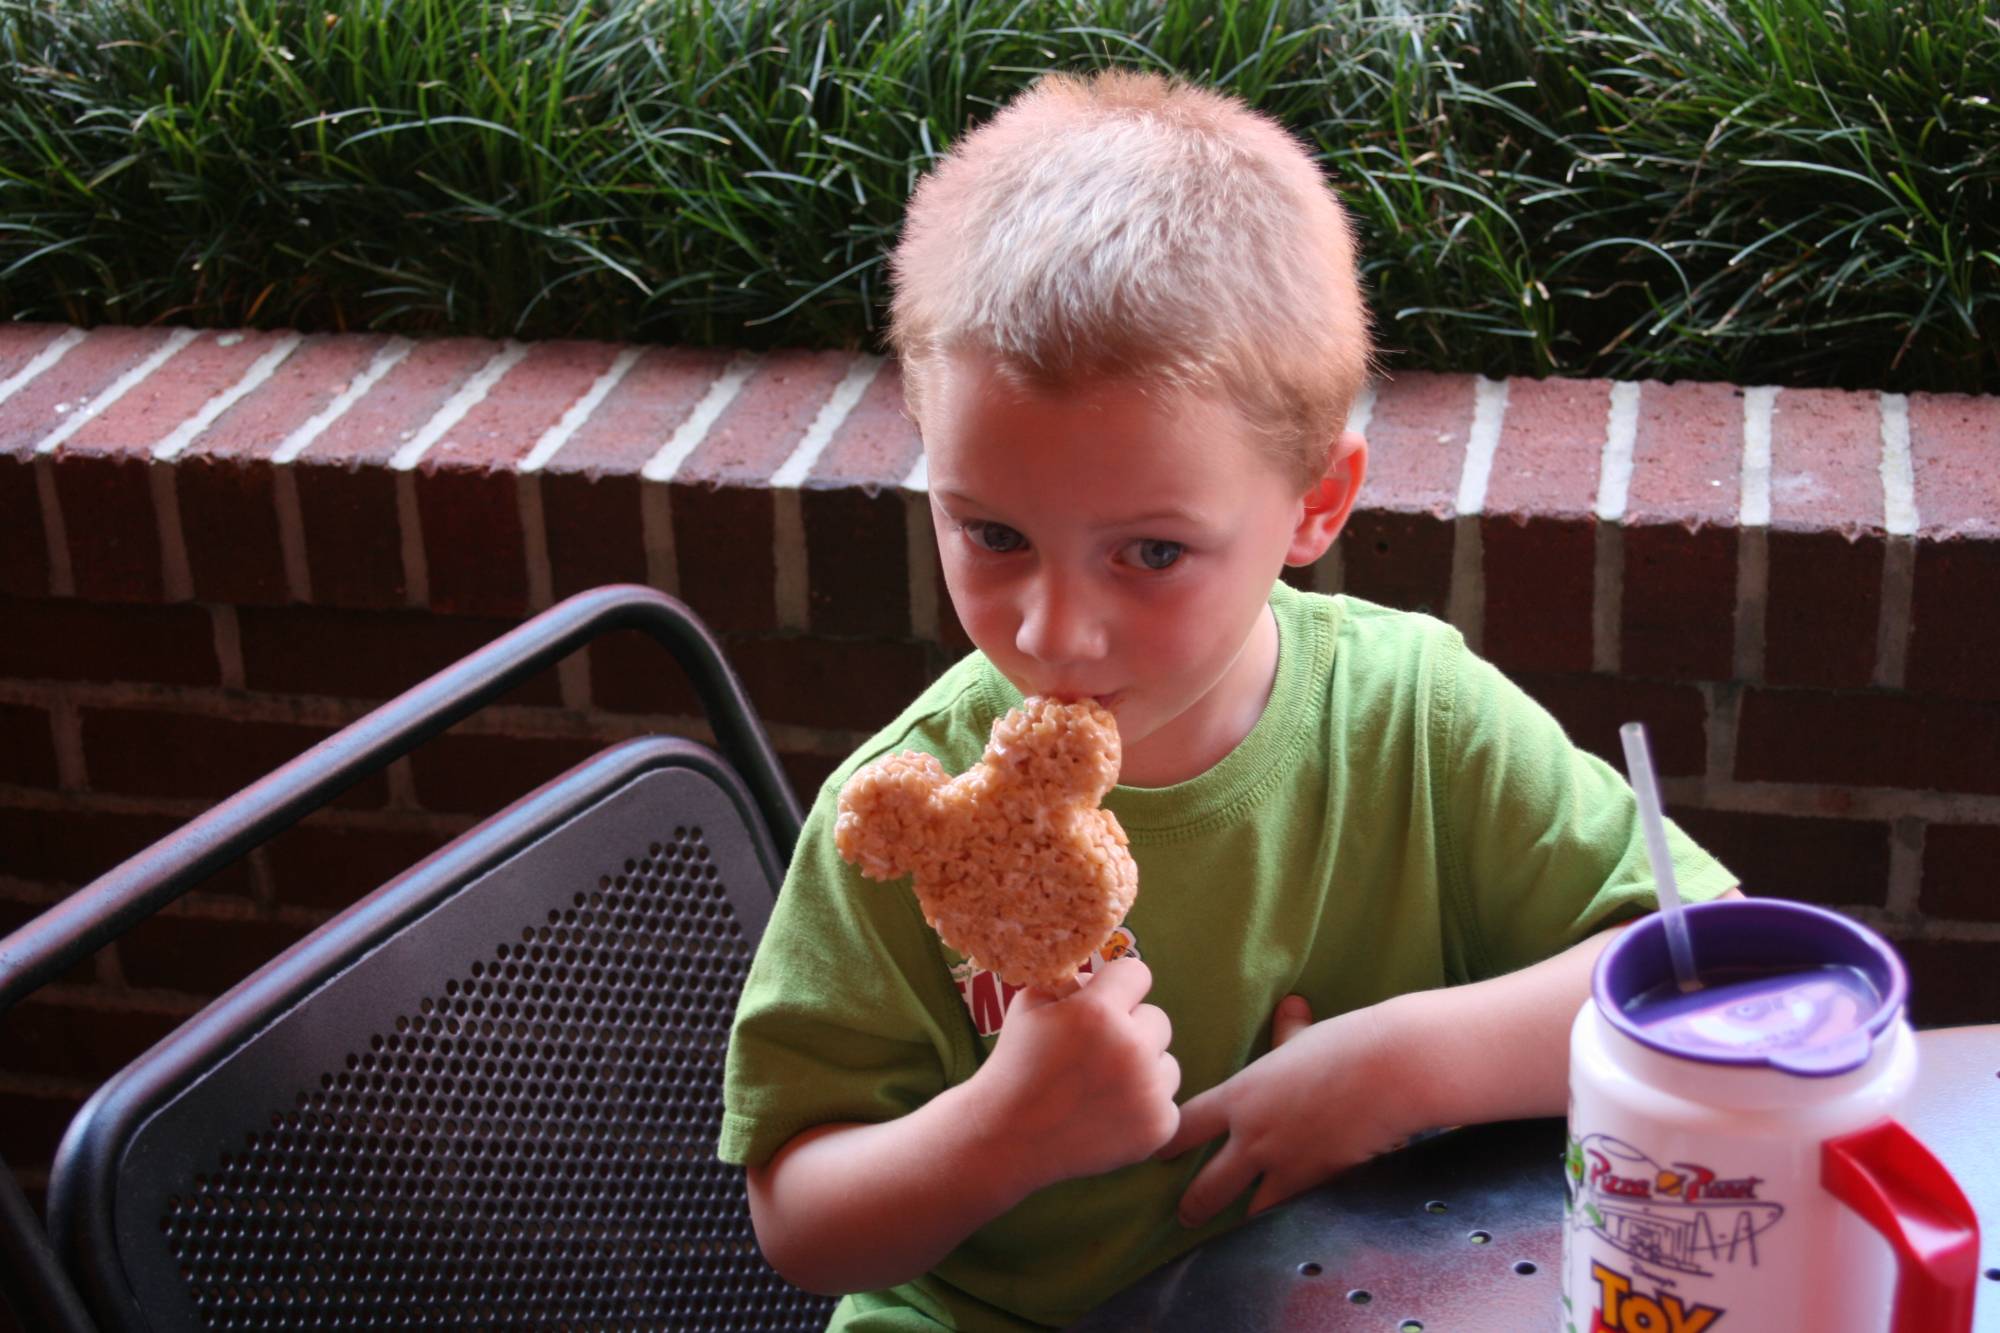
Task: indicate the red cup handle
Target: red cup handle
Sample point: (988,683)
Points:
(1905,1193)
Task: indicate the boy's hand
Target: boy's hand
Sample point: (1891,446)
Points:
(1083,1084)
(1311,1108)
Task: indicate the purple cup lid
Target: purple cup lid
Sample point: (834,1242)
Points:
(1854,985)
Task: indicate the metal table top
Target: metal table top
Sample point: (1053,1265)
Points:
(1462,1233)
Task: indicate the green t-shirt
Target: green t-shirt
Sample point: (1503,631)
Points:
(1402,817)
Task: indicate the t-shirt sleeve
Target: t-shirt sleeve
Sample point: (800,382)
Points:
(1542,842)
(847,1011)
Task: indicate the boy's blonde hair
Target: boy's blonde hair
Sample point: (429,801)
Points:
(1130,226)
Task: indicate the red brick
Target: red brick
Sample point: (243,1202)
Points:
(202,955)
(86,370)
(877,445)
(330,867)
(1297,576)
(64,848)
(807,772)
(765,422)
(1416,443)
(631,673)
(229,518)
(1951,981)
(68,639)
(1678,610)
(522,405)
(1551,445)
(1823,603)
(1679,595)
(353,535)
(857,558)
(481,774)
(1540,588)
(1953,442)
(149,753)
(113,527)
(27,746)
(176,390)
(641,413)
(1836,862)
(1824,594)
(79,1038)
(1961,872)
(846,684)
(473,546)
(402,402)
(1868,740)
(22,343)
(365,654)
(724,541)
(1954,633)
(1592,708)
(302,386)
(594,529)
(24,543)
(1398,559)
(35,1123)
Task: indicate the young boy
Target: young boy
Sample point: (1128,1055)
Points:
(1372,874)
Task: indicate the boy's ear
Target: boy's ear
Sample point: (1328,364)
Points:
(1330,500)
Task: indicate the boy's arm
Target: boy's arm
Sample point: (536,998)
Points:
(1346,1089)
(1073,1087)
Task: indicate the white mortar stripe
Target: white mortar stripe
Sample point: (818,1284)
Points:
(260,370)
(556,436)
(43,359)
(919,479)
(469,396)
(788,574)
(409,521)
(1607,598)
(1489,411)
(1899,482)
(795,469)
(1363,410)
(292,534)
(1759,406)
(55,532)
(384,361)
(688,437)
(228,645)
(656,526)
(176,575)
(534,540)
(1614,466)
(119,388)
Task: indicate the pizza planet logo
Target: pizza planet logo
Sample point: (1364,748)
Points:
(987,997)
(1622,1310)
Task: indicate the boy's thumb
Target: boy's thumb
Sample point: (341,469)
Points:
(1293,1017)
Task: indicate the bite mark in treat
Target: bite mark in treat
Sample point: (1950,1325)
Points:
(1015,864)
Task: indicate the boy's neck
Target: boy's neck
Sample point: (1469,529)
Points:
(1205,734)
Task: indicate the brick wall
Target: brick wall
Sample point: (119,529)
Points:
(216,548)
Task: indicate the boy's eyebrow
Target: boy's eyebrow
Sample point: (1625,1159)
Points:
(1170,514)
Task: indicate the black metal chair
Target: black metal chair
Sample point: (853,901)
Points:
(484,1096)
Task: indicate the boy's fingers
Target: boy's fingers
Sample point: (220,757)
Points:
(1273,1190)
(1202,1118)
(1227,1175)
(1293,1017)
(1120,985)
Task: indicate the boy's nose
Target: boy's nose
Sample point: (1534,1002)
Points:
(1058,624)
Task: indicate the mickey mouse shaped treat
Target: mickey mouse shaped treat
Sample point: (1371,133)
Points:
(1016,866)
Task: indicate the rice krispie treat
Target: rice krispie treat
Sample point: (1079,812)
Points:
(1015,864)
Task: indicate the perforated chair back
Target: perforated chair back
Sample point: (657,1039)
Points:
(485,1096)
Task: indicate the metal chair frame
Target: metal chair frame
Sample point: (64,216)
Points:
(36,1280)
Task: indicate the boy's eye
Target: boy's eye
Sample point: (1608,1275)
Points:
(1153,553)
(995,537)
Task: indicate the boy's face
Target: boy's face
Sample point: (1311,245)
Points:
(1102,543)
